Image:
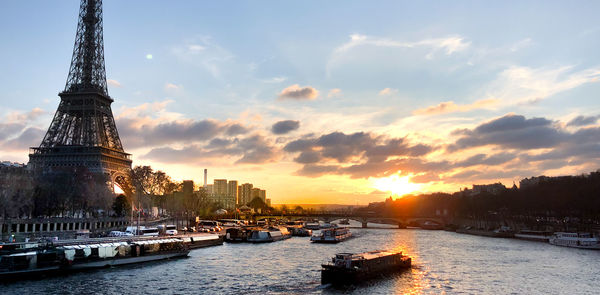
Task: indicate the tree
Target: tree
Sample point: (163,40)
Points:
(121,206)
(283,209)
(258,203)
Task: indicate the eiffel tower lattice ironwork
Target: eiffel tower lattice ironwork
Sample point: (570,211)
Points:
(83,132)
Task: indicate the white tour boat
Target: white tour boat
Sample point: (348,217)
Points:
(575,240)
(331,235)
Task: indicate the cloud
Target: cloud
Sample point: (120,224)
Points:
(450,107)
(483,159)
(203,52)
(113,83)
(236,129)
(148,133)
(20,117)
(30,137)
(315,170)
(295,92)
(524,85)
(521,44)
(358,154)
(255,149)
(511,131)
(388,91)
(274,80)
(449,44)
(173,88)
(194,48)
(283,127)
(583,120)
(335,92)
(17,130)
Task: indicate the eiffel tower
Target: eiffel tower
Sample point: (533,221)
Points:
(83,132)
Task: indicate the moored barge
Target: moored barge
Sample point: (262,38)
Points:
(270,234)
(331,235)
(30,260)
(348,268)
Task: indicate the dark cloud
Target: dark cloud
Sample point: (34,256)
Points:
(308,157)
(482,159)
(8,130)
(534,145)
(283,127)
(315,170)
(511,131)
(583,120)
(358,154)
(236,129)
(255,149)
(220,143)
(295,92)
(134,133)
(30,137)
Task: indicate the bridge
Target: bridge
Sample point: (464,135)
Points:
(364,219)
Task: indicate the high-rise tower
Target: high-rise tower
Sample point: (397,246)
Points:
(83,132)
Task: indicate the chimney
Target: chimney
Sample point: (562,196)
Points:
(205,175)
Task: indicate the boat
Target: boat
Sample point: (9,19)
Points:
(270,234)
(297,229)
(313,225)
(331,235)
(575,240)
(51,258)
(348,268)
(431,225)
(533,235)
(501,232)
(302,232)
(327,225)
(239,234)
(201,241)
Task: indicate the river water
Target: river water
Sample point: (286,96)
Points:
(443,263)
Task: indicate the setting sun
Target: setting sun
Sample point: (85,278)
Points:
(396,185)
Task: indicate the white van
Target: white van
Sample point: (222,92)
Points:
(171,230)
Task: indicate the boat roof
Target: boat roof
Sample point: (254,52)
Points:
(371,254)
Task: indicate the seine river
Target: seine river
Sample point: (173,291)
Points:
(443,263)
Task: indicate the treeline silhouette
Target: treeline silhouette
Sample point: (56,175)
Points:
(564,198)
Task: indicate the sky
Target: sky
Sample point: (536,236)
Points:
(343,102)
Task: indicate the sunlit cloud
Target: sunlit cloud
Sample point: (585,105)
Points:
(295,92)
(113,83)
(335,92)
(388,91)
(450,107)
(171,86)
(524,85)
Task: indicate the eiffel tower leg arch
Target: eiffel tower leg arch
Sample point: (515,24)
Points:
(122,179)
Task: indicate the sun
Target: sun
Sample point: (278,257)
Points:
(396,185)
